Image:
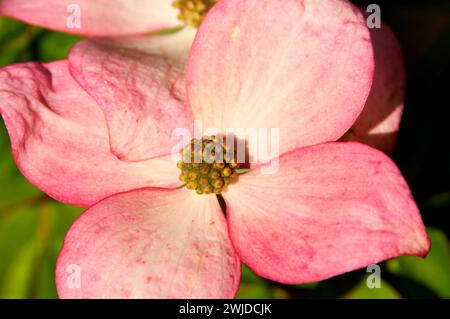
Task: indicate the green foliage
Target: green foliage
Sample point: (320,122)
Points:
(432,273)
(20,42)
(15,39)
(361,291)
(30,239)
(54,45)
(252,286)
(15,188)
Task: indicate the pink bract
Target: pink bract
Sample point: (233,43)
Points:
(97,18)
(100,125)
(60,140)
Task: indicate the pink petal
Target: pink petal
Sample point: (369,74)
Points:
(97,18)
(150,243)
(330,209)
(294,65)
(141,95)
(379,122)
(174,46)
(60,141)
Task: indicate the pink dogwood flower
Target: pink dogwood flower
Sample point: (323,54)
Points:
(123,22)
(100,18)
(96,131)
(134,23)
(379,123)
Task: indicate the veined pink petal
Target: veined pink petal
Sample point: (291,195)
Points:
(97,18)
(60,141)
(150,243)
(174,46)
(330,209)
(142,96)
(300,66)
(379,122)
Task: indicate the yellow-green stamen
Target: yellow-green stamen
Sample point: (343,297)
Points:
(202,174)
(192,12)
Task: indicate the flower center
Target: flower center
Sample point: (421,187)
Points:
(207,165)
(192,12)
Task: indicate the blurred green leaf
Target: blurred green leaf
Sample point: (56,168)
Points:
(55,45)
(9,29)
(252,286)
(310,285)
(253,291)
(15,40)
(20,42)
(18,276)
(249,276)
(362,291)
(432,272)
(15,188)
(30,239)
(16,231)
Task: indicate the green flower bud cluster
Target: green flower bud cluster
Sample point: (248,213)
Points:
(206,166)
(192,12)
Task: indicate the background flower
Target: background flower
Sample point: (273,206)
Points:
(97,18)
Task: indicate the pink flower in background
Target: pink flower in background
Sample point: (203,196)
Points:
(100,18)
(95,131)
(124,22)
(379,123)
(128,22)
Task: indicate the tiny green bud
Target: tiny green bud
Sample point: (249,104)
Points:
(204,181)
(191,185)
(214,174)
(205,169)
(193,176)
(219,165)
(226,172)
(218,183)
